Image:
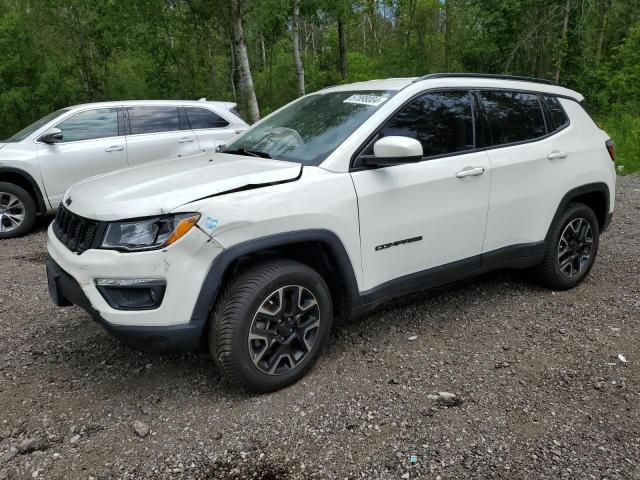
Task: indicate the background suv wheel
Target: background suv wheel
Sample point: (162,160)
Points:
(571,248)
(269,325)
(17,211)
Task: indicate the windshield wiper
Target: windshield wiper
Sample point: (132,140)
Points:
(253,153)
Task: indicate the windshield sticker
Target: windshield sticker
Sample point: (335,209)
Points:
(373,100)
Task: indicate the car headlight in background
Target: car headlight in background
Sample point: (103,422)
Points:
(148,233)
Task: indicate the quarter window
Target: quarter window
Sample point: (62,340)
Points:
(90,124)
(513,116)
(203,118)
(441,121)
(153,119)
(555,113)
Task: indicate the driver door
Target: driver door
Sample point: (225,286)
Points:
(425,219)
(91,144)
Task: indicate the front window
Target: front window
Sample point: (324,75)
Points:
(308,130)
(441,121)
(25,132)
(90,125)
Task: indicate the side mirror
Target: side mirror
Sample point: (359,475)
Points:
(53,135)
(394,151)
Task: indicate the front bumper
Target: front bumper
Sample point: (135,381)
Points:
(65,291)
(170,326)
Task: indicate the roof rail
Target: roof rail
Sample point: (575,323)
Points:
(485,75)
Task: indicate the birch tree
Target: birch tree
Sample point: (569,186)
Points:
(246,90)
(296,47)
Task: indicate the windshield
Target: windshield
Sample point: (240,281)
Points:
(25,132)
(310,129)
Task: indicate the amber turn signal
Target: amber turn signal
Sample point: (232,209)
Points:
(182,228)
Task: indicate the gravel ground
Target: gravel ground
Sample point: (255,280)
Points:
(540,389)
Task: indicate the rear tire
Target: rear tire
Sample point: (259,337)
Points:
(571,248)
(17,211)
(270,324)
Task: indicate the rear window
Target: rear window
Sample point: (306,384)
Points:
(556,115)
(513,116)
(153,119)
(203,118)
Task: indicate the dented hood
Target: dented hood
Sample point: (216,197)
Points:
(159,188)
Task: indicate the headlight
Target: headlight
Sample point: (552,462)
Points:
(148,233)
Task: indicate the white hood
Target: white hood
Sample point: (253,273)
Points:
(159,188)
(2,145)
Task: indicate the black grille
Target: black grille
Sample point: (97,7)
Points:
(76,232)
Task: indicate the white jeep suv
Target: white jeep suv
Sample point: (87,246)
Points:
(329,206)
(39,163)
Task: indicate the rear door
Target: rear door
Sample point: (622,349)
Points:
(156,133)
(92,143)
(529,159)
(419,216)
(210,127)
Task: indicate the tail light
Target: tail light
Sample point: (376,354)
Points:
(611,148)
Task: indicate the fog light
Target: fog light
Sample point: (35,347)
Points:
(132,293)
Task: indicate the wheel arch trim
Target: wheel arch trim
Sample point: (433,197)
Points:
(40,201)
(221,263)
(598,187)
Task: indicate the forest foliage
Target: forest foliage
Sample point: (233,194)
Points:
(55,53)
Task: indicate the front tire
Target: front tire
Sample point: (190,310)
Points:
(270,324)
(17,211)
(571,248)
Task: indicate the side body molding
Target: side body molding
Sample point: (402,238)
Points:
(359,303)
(220,264)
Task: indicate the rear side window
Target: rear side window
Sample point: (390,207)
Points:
(513,116)
(203,118)
(153,119)
(441,121)
(90,125)
(556,115)
(237,113)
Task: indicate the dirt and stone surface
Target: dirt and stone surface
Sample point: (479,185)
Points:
(532,386)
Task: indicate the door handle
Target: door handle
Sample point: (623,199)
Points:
(114,148)
(555,155)
(470,172)
(185,140)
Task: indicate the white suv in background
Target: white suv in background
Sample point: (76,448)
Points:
(39,163)
(331,205)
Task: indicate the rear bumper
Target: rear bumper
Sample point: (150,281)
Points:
(65,291)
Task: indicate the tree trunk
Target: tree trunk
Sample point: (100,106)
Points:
(342,49)
(245,81)
(232,70)
(563,40)
(447,34)
(413,12)
(604,14)
(296,47)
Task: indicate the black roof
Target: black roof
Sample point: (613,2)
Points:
(486,75)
